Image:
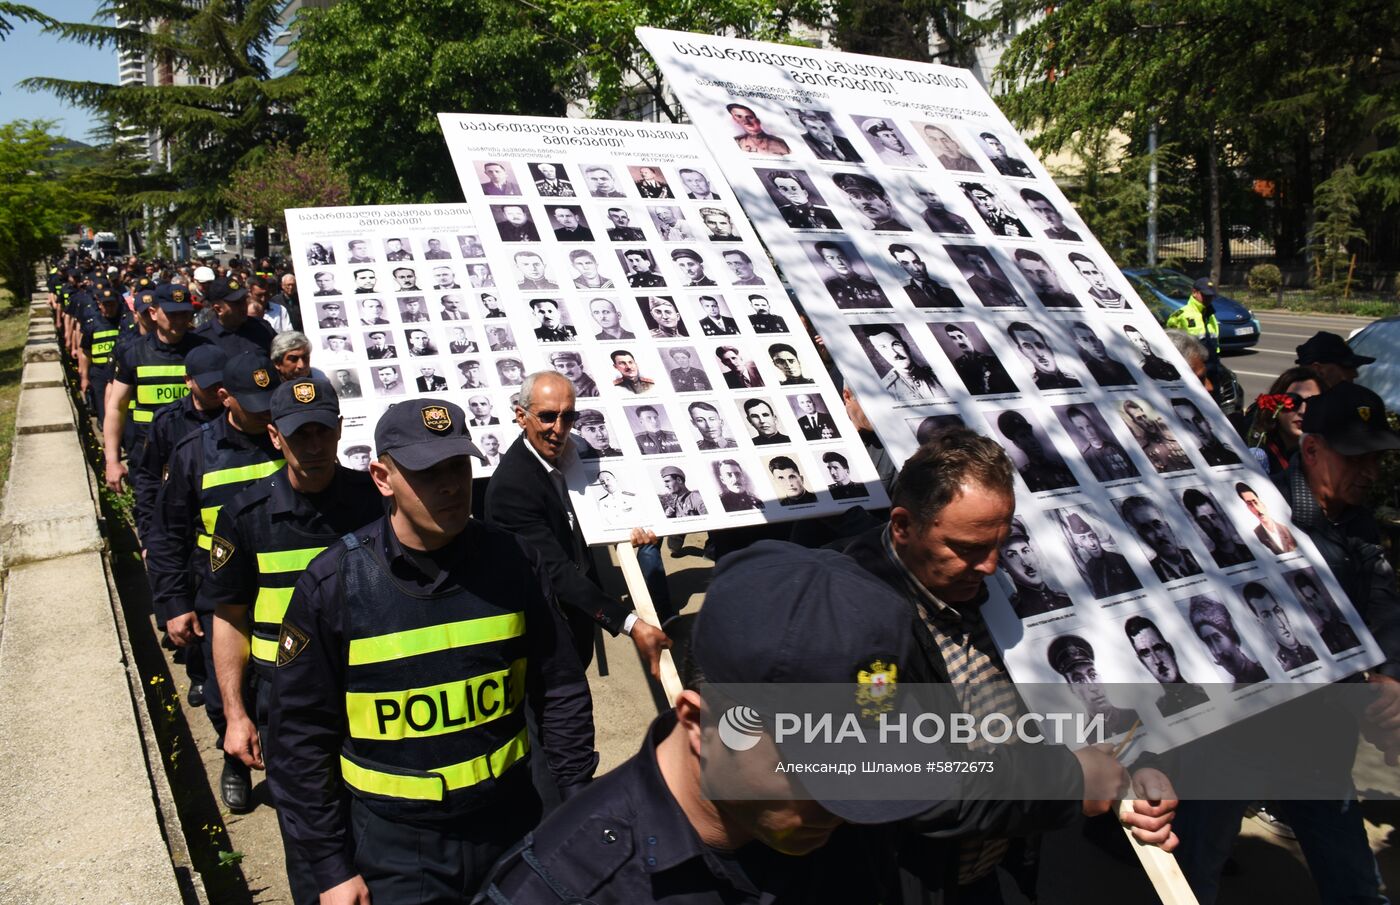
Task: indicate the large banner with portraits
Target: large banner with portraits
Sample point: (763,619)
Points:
(950,281)
(399,301)
(622,261)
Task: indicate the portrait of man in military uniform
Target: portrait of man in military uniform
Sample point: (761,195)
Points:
(1034,595)
(1040,466)
(685,377)
(846,275)
(1324,614)
(651,427)
(592,429)
(923,290)
(1106,370)
(903,372)
(1104,455)
(753,138)
(1210,446)
(823,136)
(1046,282)
(514,223)
(1036,349)
(797,199)
(640,267)
(984,276)
(1212,522)
(1290,650)
(1158,443)
(995,148)
(1072,656)
(1158,656)
(993,210)
(551,180)
(1152,364)
(1215,628)
(1104,570)
(678,500)
(1169,557)
(788,481)
(980,370)
(1050,215)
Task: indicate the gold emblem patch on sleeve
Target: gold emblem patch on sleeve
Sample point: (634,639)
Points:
(220,552)
(291,642)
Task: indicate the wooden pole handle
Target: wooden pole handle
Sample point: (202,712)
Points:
(1161,867)
(646,611)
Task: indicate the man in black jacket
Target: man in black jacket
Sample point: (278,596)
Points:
(527,495)
(951,510)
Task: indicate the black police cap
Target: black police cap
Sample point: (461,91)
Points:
(205,365)
(420,433)
(306,400)
(1329,348)
(229,289)
(250,378)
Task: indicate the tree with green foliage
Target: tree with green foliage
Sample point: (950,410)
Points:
(377,74)
(17,12)
(262,192)
(235,112)
(39,203)
(1335,229)
(904,29)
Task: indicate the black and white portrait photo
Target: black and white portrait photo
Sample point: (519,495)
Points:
(935,212)
(482,411)
(330,315)
(429,380)
(1158,656)
(1170,558)
(357,456)
(629,373)
(380,344)
(711,431)
(444,277)
(887,142)
(346,383)
(1035,457)
(1275,537)
(596,441)
(846,275)
(797,199)
(325,283)
(1050,216)
(413,309)
(719,224)
(337,347)
(1106,370)
(500,338)
(994,146)
(651,428)
(387,380)
(1150,431)
(480,277)
(615,503)
(1105,570)
(622,229)
(358,252)
(994,210)
(948,149)
(714,316)
(1044,280)
(736,490)
(1072,656)
(511,371)
(533,272)
(1152,364)
(871,202)
(977,366)
(789,482)
(1324,614)
(1213,523)
(741,270)
(490,306)
(813,417)
(497,177)
(697,185)
(473,374)
(677,499)
(514,223)
(552,322)
(1215,627)
(903,372)
(788,365)
(405,279)
(419,342)
(762,318)
(739,372)
(691,264)
(1104,295)
(984,275)
(650,182)
(570,364)
(608,319)
(842,486)
(452,307)
(1290,650)
(551,180)
(373,313)
(753,137)
(1088,430)
(398,249)
(824,137)
(1033,594)
(764,427)
(671,224)
(601,181)
(586,272)
(662,316)
(365,279)
(1208,444)
(682,364)
(1046,368)
(640,268)
(923,290)
(435,251)
(320,254)
(568,223)
(470,246)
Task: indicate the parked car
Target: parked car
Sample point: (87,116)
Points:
(1164,290)
(202,249)
(215,244)
(1380,340)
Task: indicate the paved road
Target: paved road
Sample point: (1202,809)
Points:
(1281,332)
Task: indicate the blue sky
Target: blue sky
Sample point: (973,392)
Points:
(27,52)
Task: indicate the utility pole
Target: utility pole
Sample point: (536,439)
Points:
(1152,195)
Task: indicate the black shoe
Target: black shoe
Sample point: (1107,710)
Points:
(675,543)
(236,786)
(195,697)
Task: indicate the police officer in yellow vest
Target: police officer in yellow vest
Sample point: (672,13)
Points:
(208,468)
(100,331)
(1197,316)
(262,542)
(397,749)
(149,373)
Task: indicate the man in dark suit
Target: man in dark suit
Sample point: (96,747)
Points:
(528,495)
(816,425)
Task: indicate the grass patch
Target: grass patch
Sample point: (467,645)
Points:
(14,331)
(1313,301)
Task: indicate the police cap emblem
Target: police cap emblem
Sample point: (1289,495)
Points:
(177,295)
(436,418)
(875,687)
(261,378)
(233,284)
(1364,412)
(304,392)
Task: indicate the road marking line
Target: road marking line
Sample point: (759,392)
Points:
(1253,373)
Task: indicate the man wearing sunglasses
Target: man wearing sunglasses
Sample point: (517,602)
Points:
(528,495)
